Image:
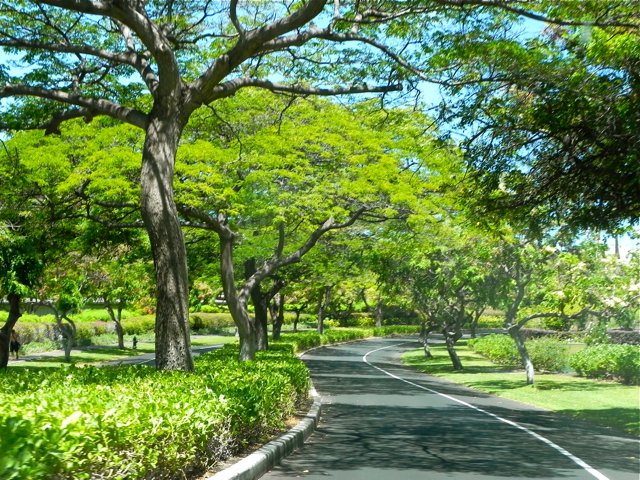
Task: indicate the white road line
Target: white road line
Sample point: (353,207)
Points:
(556,447)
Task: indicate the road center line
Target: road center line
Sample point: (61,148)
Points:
(556,447)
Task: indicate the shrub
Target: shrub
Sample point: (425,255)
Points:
(498,348)
(546,354)
(491,321)
(620,362)
(139,325)
(136,422)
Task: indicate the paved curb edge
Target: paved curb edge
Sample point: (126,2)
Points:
(262,460)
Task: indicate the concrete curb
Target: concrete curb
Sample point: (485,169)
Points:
(262,460)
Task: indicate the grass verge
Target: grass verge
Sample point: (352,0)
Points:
(94,355)
(601,402)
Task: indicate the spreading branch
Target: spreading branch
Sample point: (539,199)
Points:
(97,105)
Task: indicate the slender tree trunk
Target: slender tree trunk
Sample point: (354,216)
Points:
(450,341)
(173,343)
(68,331)
(377,312)
(260,308)
(278,319)
(325,298)
(5,331)
(516,334)
(474,322)
(116,319)
(237,302)
(424,338)
(296,320)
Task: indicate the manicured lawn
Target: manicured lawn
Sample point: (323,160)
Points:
(601,402)
(98,354)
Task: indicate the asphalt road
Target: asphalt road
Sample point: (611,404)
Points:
(381,420)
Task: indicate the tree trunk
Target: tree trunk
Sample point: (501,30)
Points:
(474,322)
(450,339)
(5,331)
(173,343)
(278,319)
(524,353)
(325,298)
(260,308)
(296,320)
(237,302)
(424,338)
(377,312)
(68,332)
(117,321)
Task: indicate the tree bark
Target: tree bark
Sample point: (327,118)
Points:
(173,343)
(5,331)
(237,302)
(377,312)
(278,317)
(325,298)
(450,340)
(424,338)
(117,321)
(68,332)
(260,307)
(516,334)
(296,320)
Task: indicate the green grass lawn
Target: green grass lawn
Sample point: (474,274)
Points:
(97,354)
(601,402)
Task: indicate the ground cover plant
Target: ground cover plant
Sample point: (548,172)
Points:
(601,402)
(136,422)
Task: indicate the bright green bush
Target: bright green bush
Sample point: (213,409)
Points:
(136,422)
(546,354)
(305,340)
(210,321)
(498,348)
(619,362)
(139,325)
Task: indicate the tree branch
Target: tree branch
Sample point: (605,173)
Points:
(229,88)
(100,106)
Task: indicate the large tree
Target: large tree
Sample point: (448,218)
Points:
(152,64)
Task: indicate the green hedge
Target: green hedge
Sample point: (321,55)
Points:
(305,340)
(136,422)
(620,362)
(546,354)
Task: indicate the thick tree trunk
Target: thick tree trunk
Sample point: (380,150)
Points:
(524,353)
(5,331)
(173,343)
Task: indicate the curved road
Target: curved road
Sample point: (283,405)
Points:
(381,420)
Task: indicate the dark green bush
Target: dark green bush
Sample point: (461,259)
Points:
(619,362)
